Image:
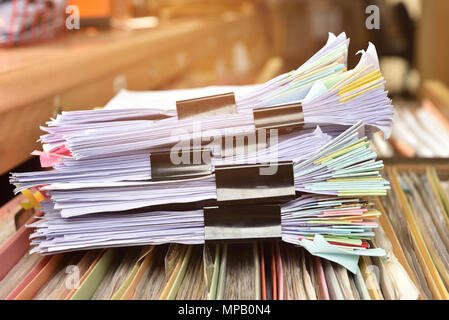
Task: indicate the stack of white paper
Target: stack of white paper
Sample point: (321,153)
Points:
(343,98)
(101,192)
(345,166)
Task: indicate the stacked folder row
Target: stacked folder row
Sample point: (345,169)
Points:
(418,208)
(233,271)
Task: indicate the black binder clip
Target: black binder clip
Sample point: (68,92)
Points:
(242,223)
(249,202)
(206,106)
(255,183)
(286,117)
(187,163)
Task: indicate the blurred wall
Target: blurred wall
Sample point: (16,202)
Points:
(433,40)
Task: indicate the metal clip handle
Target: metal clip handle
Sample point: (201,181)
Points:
(206,106)
(169,165)
(242,223)
(255,183)
(287,116)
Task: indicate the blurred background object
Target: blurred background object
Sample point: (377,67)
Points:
(28,21)
(96,13)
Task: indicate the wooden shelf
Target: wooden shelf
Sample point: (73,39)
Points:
(84,71)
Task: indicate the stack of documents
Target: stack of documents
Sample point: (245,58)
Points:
(343,167)
(125,177)
(335,97)
(113,144)
(137,167)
